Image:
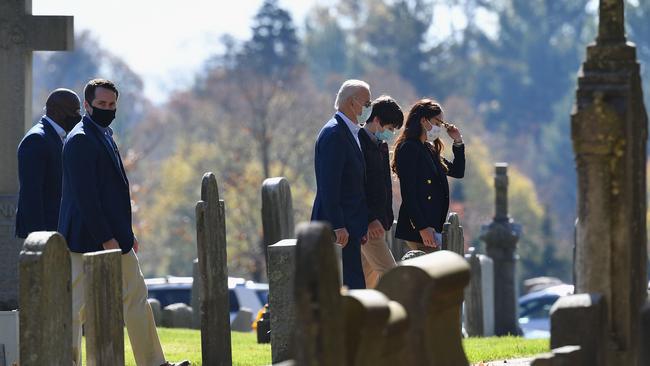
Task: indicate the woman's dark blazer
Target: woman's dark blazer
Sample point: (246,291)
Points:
(424,188)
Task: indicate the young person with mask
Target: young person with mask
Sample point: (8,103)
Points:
(39,164)
(422,172)
(386,116)
(96,215)
(340,177)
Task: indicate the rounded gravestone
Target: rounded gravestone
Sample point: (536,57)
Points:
(177,315)
(156,309)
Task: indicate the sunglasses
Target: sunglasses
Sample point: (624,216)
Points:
(443,123)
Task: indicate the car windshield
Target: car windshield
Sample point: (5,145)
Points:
(537,308)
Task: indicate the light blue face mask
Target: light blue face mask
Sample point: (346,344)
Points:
(365,113)
(385,135)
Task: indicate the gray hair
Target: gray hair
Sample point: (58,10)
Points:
(348,89)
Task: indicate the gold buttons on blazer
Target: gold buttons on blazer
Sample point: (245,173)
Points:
(428,181)
(429,198)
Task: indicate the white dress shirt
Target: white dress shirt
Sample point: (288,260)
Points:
(354,128)
(59,130)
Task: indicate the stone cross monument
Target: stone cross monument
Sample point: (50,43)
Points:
(20,34)
(609,132)
(501,238)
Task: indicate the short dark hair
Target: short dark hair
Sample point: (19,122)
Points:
(388,112)
(89,89)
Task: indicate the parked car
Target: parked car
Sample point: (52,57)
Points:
(242,293)
(535,307)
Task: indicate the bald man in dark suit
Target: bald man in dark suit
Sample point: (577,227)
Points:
(39,164)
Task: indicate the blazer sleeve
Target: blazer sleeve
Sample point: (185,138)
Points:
(457,167)
(80,171)
(32,155)
(332,161)
(407,167)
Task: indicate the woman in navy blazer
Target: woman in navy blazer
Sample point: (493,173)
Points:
(423,172)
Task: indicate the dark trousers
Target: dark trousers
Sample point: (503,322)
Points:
(353,276)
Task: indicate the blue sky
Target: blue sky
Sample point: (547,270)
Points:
(167,41)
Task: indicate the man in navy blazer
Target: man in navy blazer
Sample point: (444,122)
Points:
(340,177)
(39,164)
(96,215)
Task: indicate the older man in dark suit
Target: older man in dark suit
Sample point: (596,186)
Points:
(39,164)
(340,177)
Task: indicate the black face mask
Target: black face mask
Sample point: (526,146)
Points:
(70,121)
(103,117)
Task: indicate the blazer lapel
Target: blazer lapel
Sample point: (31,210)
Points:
(432,163)
(109,149)
(51,134)
(348,133)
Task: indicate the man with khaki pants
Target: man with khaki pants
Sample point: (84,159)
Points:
(386,116)
(95,215)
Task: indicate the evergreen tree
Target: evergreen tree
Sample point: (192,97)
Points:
(532,63)
(325,45)
(395,33)
(274,47)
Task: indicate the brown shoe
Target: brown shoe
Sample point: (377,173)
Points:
(182,363)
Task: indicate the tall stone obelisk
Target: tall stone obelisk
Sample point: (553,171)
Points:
(609,132)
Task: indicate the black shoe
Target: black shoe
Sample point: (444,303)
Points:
(182,363)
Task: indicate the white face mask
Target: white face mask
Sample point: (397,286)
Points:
(434,133)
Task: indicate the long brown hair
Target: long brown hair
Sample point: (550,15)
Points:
(427,108)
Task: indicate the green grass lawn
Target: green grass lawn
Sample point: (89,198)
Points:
(181,344)
(502,348)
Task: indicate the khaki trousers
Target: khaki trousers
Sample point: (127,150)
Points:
(137,311)
(376,259)
(413,245)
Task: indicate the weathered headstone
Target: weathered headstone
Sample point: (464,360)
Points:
(156,309)
(395,333)
(430,287)
(178,315)
(45,301)
(479,295)
(412,254)
(281,273)
(452,235)
(104,326)
(373,324)
(277,210)
(609,132)
(20,34)
(211,247)
(243,321)
(196,289)
(563,356)
(319,307)
(501,238)
(579,320)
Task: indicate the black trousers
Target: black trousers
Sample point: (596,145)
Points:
(353,276)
